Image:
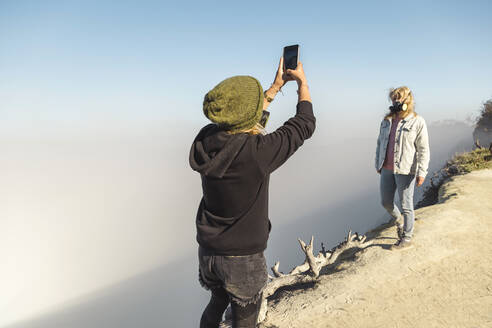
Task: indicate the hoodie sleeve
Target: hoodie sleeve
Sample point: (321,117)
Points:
(273,149)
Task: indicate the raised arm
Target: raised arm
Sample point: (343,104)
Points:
(302,85)
(280,79)
(274,149)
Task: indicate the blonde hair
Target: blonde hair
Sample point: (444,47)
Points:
(256,129)
(404,95)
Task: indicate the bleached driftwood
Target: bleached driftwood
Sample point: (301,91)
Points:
(312,264)
(307,272)
(310,269)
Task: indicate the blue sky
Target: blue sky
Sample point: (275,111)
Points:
(78,61)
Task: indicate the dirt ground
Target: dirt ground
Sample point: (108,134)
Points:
(445,280)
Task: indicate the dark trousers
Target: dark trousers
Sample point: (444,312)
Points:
(242,316)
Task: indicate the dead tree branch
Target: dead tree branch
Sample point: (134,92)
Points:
(308,271)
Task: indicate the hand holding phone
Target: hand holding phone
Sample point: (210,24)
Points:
(292,65)
(295,71)
(297,74)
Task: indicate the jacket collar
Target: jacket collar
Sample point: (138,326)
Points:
(409,118)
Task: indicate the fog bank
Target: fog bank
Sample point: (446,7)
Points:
(98,231)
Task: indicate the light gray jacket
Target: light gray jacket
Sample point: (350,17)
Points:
(412,152)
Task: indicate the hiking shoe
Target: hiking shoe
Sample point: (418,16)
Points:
(403,243)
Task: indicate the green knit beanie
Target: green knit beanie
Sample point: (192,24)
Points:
(235,104)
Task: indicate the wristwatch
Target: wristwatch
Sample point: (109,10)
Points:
(267,97)
(264,118)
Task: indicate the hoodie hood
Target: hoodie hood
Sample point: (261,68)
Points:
(213,150)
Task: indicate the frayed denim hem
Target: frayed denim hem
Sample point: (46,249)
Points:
(253,300)
(241,302)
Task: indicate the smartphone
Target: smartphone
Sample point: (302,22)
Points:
(291,56)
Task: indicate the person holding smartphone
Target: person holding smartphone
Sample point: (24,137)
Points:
(235,158)
(402,156)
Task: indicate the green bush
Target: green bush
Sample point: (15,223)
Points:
(483,127)
(477,159)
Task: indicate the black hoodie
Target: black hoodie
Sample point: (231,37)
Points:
(235,169)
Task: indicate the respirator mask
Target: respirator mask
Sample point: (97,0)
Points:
(398,107)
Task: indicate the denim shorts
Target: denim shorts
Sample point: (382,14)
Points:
(243,277)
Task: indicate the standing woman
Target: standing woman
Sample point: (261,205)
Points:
(235,159)
(402,153)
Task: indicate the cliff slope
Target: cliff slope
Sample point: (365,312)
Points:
(445,280)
